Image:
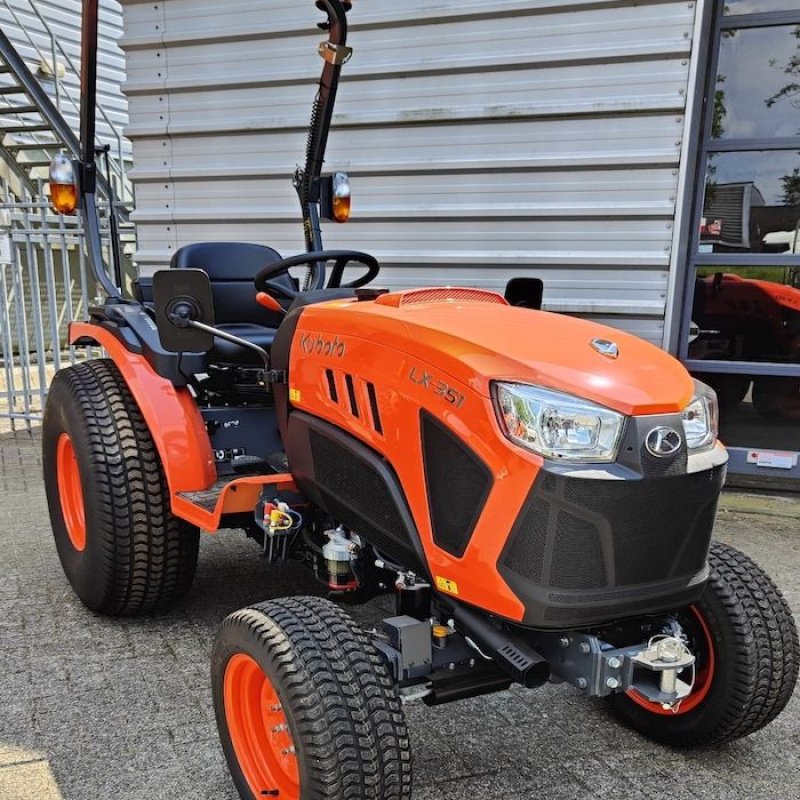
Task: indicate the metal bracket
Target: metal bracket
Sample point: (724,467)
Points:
(336,54)
(275,376)
(411,638)
(599,669)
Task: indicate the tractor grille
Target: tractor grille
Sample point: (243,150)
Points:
(458,485)
(588,541)
(356,494)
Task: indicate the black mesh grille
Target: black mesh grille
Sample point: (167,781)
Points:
(608,540)
(577,554)
(357,495)
(655,529)
(526,550)
(458,484)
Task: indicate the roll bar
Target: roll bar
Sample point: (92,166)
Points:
(306,180)
(336,53)
(86,167)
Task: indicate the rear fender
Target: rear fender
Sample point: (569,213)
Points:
(174,421)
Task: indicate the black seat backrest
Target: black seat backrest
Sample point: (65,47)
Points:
(231,268)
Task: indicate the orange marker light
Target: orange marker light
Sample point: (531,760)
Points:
(341,197)
(63,185)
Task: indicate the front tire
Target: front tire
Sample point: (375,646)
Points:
(305,706)
(122,550)
(746,643)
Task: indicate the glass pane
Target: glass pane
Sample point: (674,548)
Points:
(752,203)
(758,6)
(758,83)
(746,314)
(758,411)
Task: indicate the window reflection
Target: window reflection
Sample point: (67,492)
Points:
(758,83)
(746,314)
(757,411)
(751,203)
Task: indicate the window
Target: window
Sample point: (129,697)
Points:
(742,311)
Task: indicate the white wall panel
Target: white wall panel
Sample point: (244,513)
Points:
(485,138)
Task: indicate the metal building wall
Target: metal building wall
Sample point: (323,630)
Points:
(485,138)
(32,39)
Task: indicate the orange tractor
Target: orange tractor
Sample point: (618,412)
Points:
(538,493)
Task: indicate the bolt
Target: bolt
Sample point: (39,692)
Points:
(585,648)
(614,662)
(451,665)
(279,728)
(612,683)
(472,662)
(289,751)
(275,709)
(564,641)
(581,683)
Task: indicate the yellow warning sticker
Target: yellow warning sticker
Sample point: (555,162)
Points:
(446,585)
(294,395)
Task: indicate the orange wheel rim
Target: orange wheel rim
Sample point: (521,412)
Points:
(259,731)
(70,492)
(703,678)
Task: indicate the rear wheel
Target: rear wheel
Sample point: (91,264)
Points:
(745,641)
(306,707)
(122,550)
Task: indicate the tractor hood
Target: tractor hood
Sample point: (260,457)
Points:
(481,340)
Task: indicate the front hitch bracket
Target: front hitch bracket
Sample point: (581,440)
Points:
(598,669)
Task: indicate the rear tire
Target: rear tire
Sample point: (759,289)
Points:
(306,706)
(122,550)
(749,665)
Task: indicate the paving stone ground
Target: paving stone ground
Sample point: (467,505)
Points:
(93,708)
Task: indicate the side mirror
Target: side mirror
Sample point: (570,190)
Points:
(525,292)
(181,297)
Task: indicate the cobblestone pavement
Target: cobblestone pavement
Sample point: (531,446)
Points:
(93,708)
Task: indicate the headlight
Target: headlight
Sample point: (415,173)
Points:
(701,417)
(557,425)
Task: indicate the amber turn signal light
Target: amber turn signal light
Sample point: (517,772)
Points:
(340,196)
(334,197)
(63,185)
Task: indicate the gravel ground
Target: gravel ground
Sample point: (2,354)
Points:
(94,708)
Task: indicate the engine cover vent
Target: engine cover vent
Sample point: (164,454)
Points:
(458,485)
(447,294)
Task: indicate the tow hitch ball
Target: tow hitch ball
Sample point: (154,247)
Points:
(651,669)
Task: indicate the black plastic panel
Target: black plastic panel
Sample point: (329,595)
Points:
(458,484)
(583,549)
(355,485)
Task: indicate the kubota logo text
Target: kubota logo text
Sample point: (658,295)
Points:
(315,343)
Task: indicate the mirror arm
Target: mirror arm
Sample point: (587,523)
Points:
(183,322)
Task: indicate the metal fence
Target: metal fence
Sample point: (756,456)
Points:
(45,282)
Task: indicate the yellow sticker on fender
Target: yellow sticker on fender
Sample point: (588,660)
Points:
(446,585)
(294,395)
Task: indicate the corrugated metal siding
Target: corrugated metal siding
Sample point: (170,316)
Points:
(484,139)
(64,19)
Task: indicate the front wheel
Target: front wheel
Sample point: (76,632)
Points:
(745,640)
(306,707)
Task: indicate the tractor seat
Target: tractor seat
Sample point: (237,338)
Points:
(231,268)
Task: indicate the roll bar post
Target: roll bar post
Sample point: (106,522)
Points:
(336,53)
(86,166)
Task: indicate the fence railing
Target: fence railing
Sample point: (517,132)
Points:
(45,282)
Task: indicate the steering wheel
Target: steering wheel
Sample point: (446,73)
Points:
(316,259)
